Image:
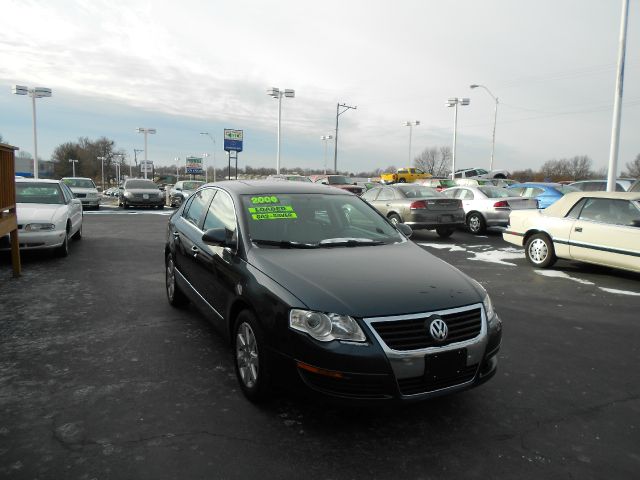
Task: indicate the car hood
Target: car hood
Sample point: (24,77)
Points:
(367,281)
(39,213)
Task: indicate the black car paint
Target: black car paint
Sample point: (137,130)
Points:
(351,281)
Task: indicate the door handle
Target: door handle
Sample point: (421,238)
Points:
(578,229)
(176,234)
(195,250)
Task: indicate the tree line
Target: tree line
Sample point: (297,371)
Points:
(434,160)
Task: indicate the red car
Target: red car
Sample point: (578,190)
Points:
(339,181)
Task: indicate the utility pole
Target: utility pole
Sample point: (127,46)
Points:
(335,145)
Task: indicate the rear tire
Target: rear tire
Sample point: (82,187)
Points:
(539,251)
(444,232)
(175,296)
(476,223)
(250,359)
(402,180)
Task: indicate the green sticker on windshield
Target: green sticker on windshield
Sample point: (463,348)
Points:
(272,212)
(264,199)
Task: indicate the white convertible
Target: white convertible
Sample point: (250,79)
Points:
(595,227)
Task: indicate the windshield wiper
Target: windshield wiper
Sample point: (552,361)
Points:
(349,242)
(284,243)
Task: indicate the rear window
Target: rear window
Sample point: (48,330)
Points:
(417,191)
(141,184)
(496,192)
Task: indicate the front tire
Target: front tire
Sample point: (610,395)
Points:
(63,250)
(476,223)
(175,296)
(539,251)
(250,359)
(395,219)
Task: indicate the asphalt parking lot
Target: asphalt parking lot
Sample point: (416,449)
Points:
(101,378)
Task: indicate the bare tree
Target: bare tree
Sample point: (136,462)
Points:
(579,167)
(434,160)
(633,168)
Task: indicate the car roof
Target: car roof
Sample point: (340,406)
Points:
(36,180)
(74,178)
(535,184)
(259,187)
(565,203)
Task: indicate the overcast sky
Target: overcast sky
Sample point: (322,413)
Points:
(191,66)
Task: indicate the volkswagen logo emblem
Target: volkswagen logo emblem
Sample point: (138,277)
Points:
(438,329)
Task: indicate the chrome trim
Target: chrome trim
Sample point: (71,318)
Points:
(200,297)
(411,364)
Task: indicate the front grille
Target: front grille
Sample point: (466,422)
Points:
(416,385)
(352,386)
(414,334)
(81,195)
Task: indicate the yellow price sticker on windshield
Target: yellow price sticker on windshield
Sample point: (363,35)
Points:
(272,212)
(264,199)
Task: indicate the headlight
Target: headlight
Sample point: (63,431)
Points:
(38,227)
(326,326)
(127,194)
(488,308)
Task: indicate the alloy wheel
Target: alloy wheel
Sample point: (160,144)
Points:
(247,355)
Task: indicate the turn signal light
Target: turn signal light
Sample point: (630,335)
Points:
(419,205)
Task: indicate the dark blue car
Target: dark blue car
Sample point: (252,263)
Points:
(545,193)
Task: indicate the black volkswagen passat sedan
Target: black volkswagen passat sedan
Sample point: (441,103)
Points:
(313,284)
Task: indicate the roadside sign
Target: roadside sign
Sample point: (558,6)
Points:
(146,166)
(233,140)
(194,165)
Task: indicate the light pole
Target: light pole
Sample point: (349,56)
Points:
(411,125)
(454,102)
(177,160)
(325,138)
(277,93)
(495,119)
(102,159)
(135,156)
(73,165)
(335,143)
(146,131)
(37,92)
(214,152)
(206,176)
(121,157)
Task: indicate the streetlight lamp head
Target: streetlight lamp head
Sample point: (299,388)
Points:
(19,90)
(465,101)
(204,133)
(41,92)
(474,86)
(274,92)
(417,123)
(289,93)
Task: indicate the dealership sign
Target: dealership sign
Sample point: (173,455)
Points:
(194,165)
(232,140)
(146,166)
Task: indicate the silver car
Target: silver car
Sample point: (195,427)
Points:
(486,206)
(181,191)
(140,193)
(417,206)
(84,189)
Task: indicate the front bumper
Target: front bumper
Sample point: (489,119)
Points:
(90,202)
(144,202)
(377,372)
(35,240)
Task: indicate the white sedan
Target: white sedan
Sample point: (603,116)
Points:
(48,216)
(594,227)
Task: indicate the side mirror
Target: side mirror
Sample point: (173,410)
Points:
(218,237)
(177,189)
(324,182)
(404,229)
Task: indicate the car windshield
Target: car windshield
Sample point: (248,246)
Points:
(315,220)
(338,180)
(141,184)
(48,193)
(418,191)
(448,183)
(79,182)
(296,178)
(496,192)
(191,185)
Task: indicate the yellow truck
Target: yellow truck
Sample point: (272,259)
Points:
(404,175)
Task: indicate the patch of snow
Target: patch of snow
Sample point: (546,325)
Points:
(559,274)
(441,246)
(498,256)
(620,292)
